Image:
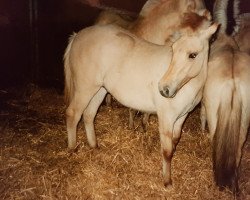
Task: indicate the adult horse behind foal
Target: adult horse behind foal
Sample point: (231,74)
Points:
(136,73)
(226,103)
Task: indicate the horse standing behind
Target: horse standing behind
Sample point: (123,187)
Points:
(140,75)
(158,21)
(226,103)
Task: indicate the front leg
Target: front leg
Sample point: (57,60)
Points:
(166,138)
(177,130)
(170,133)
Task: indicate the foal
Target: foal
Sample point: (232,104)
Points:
(140,75)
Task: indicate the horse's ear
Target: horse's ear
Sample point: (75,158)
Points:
(210,31)
(205,13)
(191,5)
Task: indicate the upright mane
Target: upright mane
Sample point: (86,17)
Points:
(153,10)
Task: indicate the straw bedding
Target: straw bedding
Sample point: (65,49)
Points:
(35,162)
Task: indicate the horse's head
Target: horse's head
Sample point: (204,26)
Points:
(190,52)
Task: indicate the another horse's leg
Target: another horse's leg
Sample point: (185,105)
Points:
(74,111)
(203,117)
(131,118)
(89,115)
(108,100)
(145,119)
(166,138)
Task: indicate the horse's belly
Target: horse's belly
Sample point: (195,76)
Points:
(134,98)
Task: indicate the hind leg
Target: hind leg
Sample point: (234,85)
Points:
(89,116)
(74,111)
(132,114)
(145,122)
(203,117)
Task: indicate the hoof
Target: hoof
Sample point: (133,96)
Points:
(72,148)
(94,146)
(168,184)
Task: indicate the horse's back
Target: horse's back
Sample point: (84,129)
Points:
(112,57)
(99,45)
(114,17)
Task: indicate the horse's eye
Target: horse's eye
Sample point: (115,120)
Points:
(192,55)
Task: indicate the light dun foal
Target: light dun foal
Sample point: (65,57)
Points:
(140,75)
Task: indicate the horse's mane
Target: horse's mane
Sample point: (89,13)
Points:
(148,6)
(152,7)
(152,11)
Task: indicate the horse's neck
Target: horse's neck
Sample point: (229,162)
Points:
(157,31)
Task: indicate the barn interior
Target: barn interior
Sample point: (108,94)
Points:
(34,160)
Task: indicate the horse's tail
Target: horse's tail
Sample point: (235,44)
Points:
(68,84)
(236,13)
(226,138)
(220,14)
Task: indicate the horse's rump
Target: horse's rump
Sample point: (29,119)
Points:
(117,17)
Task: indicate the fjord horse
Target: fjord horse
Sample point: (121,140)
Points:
(226,102)
(158,21)
(140,75)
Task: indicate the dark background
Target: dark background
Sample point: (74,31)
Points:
(34,35)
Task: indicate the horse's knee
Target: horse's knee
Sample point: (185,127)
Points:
(70,116)
(69,112)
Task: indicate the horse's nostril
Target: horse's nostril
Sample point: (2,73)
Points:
(166,89)
(165,92)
